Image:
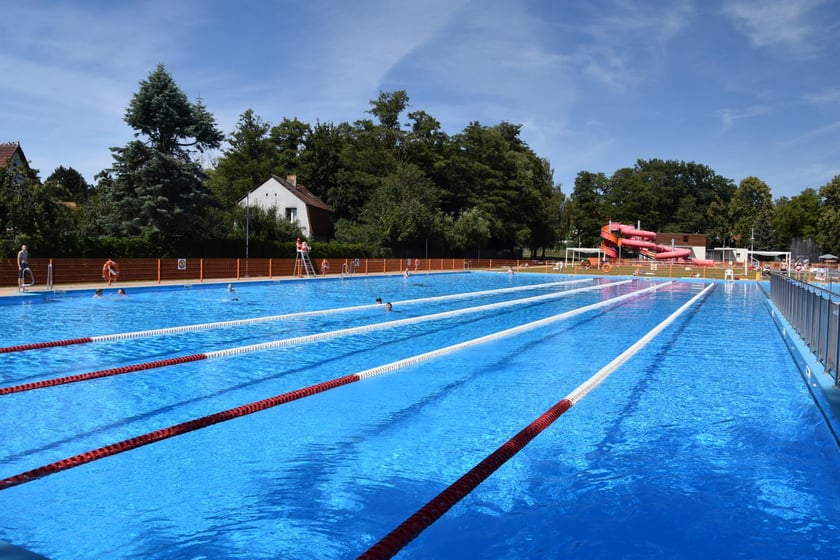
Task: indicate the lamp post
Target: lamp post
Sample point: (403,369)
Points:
(247,227)
(750,256)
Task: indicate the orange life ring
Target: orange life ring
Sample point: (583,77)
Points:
(606,267)
(110,270)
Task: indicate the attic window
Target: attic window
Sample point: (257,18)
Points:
(291,214)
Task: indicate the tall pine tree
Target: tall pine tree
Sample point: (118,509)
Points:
(155,188)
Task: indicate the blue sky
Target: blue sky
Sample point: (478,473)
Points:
(746,87)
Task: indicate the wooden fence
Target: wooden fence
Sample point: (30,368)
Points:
(83,271)
(167,270)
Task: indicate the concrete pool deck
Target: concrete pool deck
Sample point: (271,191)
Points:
(40,290)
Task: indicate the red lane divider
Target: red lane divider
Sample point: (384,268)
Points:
(285,342)
(239,322)
(101,373)
(50,344)
(172,431)
(408,530)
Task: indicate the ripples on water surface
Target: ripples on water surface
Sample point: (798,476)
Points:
(704,444)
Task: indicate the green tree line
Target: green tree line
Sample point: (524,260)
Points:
(400,186)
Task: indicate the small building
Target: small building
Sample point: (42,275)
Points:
(696,242)
(294,202)
(11,157)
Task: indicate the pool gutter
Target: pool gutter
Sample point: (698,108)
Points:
(820,382)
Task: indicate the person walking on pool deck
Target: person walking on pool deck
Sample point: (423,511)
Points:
(23,264)
(110,271)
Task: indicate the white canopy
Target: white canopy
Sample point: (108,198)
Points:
(582,250)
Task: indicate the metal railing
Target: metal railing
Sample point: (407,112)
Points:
(814,313)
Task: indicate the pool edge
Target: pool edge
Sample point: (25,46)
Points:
(820,383)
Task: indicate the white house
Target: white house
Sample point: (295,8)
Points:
(294,202)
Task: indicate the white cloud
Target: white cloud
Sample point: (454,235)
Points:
(728,117)
(811,135)
(107,38)
(74,89)
(825,97)
(785,25)
(632,36)
(553,67)
(356,45)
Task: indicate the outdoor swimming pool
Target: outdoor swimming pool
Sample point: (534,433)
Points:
(705,444)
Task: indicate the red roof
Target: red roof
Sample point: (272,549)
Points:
(7,150)
(303,193)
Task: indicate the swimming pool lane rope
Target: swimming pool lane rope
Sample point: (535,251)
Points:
(257,406)
(254,320)
(305,339)
(433,510)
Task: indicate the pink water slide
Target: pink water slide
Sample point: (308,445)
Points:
(638,239)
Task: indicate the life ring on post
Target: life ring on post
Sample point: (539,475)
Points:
(606,267)
(110,271)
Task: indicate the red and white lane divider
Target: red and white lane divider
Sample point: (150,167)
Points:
(257,406)
(409,529)
(255,320)
(306,339)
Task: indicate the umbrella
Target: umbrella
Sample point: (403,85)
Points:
(828,257)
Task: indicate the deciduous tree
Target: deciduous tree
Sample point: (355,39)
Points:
(796,217)
(829,220)
(751,213)
(248,160)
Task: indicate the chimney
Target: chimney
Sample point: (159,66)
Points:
(292,179)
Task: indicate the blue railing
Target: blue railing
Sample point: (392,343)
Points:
(814,313)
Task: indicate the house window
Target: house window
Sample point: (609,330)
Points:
(291,214)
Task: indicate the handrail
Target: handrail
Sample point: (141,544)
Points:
(814,313)
(23,283)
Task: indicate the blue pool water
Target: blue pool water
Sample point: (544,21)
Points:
(705,444)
